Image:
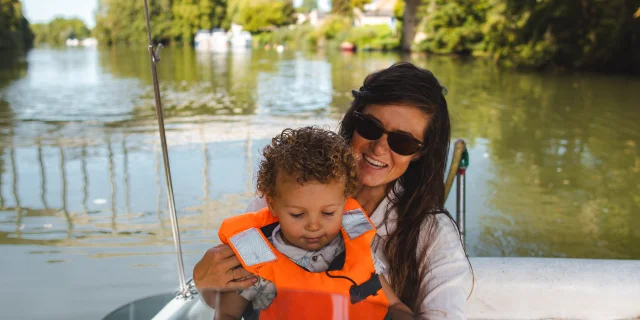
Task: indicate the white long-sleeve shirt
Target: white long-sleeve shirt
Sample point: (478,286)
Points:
(448,280)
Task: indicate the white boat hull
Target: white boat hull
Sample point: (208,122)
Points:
(549,288)
(521,288)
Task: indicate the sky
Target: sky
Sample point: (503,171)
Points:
(45,10)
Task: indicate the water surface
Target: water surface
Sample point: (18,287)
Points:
(555,162)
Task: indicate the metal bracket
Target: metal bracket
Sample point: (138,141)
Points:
(156,53)
(189,292)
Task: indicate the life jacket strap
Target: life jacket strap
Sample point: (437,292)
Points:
(252,247)
(356,223)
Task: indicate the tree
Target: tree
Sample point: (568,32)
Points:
(259,16)
(308,6)
(345,7)
(359,3)
(59,30)
(588,34)
(409,23)
(193,15)
(123,21)
(14,27)
(454,26)
(341,7)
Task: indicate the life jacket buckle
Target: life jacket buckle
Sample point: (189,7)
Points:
(368,288)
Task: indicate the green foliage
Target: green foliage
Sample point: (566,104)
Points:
(57,31)
(376,37)
(331,34)
(345,7)
(189,16)
(14,28)
(259,16)
(590,34)
(341,7)
(398,10)
(123,21)
(334,26)
(358,3)
(289,36)
(308,6)
(454,26)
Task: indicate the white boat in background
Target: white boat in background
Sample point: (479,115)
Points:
(503,288)
(88,42)
(72,42)
(240,40)
(217,40)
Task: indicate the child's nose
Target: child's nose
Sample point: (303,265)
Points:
(313,225)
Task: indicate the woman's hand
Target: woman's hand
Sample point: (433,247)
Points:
(397,309)
(220,271)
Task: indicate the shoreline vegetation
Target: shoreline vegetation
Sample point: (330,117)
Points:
(588,35)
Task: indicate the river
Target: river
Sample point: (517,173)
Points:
(84,226)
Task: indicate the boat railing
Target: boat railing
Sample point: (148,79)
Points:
(457,172)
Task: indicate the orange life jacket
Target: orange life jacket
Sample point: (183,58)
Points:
(349,291)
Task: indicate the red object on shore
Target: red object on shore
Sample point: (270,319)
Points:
(347,46)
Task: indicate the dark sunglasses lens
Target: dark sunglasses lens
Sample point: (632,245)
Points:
(403,144)
(368,129)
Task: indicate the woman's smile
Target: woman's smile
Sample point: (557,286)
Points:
(373,163)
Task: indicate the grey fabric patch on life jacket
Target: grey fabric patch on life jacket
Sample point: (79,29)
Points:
(355,223)
(252,248)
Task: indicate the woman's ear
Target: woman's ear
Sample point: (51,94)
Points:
(416,157)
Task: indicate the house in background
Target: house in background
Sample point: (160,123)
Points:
(375,13)
(314,18)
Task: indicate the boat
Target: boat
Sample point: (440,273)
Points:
(215,40)
(218,40)
(503,288)
(88,42)
(240,40)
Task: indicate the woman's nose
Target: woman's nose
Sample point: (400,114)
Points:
(380,146)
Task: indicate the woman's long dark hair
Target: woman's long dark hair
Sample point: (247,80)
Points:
(422,193)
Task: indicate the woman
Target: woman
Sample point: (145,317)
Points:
(398,125)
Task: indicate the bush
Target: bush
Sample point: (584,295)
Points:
(375,37)
(290,36)
(331,33)
(455,27)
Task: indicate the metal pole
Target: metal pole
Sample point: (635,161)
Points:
(460,203)
(461,188)
(154,58)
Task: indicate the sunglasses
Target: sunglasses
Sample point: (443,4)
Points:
(401,143)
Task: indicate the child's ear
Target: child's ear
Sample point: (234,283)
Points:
(271,205)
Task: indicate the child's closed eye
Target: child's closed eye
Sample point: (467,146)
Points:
(330,214)
(296,215)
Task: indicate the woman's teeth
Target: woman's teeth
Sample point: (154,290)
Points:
(374,163)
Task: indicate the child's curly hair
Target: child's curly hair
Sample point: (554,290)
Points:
(308,154)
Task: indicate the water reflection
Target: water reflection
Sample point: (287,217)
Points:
(556,154)
(562,161)
(566,168)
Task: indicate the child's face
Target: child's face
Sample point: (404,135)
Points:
(310,215)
